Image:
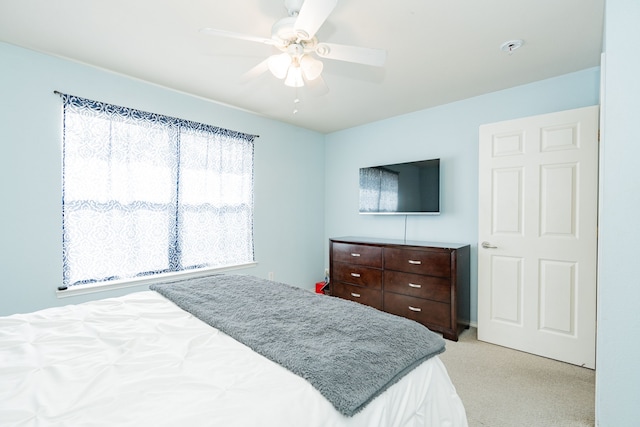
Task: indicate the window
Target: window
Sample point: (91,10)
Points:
(145,194)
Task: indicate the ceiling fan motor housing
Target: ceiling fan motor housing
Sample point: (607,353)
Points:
(283,29)
(284,33)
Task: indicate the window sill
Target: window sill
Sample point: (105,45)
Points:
(147,280)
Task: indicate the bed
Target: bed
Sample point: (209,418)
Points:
(150,358)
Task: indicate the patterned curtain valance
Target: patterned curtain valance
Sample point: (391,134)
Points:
(116,112)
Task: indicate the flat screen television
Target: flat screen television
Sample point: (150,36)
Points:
(410,188)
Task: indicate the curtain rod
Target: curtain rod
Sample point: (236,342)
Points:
(252,136)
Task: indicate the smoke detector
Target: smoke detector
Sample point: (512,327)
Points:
(511,45)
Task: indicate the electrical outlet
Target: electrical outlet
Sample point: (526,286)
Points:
(271,275)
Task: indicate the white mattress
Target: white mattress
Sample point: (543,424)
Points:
(139,360)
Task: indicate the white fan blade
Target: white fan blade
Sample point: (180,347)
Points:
(311,17)
(256,71)
(360,55)
(232,35)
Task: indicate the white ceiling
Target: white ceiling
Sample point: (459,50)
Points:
(438,51)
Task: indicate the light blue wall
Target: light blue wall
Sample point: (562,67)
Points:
(618,347)
(448,132)
(288,212)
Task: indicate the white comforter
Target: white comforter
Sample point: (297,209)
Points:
(139,360)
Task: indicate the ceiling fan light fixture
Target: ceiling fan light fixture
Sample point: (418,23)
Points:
(295,37)
(311,67)
(294,77)
(279,64)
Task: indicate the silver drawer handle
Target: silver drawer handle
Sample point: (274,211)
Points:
(355,254)
(355,275)
(413,285)
(353,294)
(414,262)
(412,308)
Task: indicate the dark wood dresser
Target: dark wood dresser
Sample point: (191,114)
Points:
(423,281)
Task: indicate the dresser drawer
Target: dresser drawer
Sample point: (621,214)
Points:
(433,263)
(417,285)
(421,310)
(370,256)
(367,296)
(357,275)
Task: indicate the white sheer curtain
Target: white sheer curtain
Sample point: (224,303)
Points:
(378,190)
(216,199)
(146,194)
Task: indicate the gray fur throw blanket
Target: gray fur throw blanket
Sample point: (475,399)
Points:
(349,352)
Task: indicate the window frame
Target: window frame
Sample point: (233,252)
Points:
(147,277)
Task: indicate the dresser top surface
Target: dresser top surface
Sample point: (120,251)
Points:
(400,242)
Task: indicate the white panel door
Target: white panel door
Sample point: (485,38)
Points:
(537,234)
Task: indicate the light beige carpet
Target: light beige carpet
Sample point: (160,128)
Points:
(504,387)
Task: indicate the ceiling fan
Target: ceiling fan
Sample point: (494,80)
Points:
(295,37)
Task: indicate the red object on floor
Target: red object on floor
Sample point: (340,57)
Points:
(319,286)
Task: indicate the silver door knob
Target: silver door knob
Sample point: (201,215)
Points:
(487,245)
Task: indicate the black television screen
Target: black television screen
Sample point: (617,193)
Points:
(410,188)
